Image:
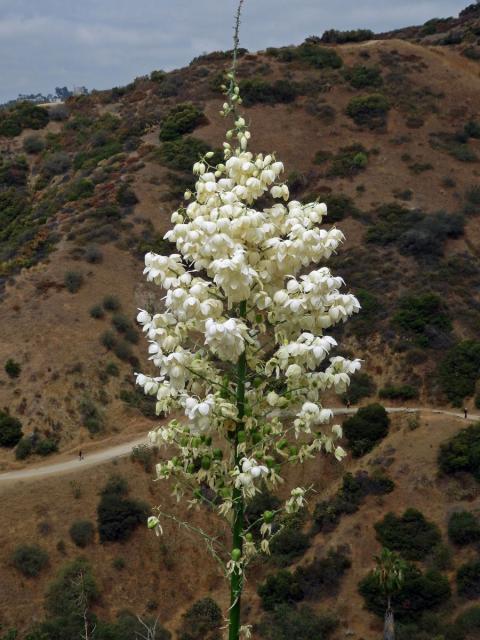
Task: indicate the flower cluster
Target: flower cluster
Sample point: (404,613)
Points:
(242,279)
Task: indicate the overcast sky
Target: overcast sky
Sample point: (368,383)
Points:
(103,43)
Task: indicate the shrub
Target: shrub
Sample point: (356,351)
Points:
(402,392)
(123,352)
(459,370)
(468,622)
(93,254)
(468,580)
(56,164)
(370,110)
(182,153)
(12,368)
(73,280)
(30,560)
(393,220)
(112,369)
(366,428)
(82,532)
(257,90)
(348,162)
(111,303)
(361,386)
(183,118)
(81,188)
(24,115)
(341,37)
(92,419)
(46,446)
(279,588)
(108,339)
(121,322)
(419,592)
(202,621)
(411,534)
(339,206)
(118,517)
(74,583)
(429,237)
(288,622)
(318,56)
(33,144)
(10,430)
(418,314)
(361,77)
(463,528)
(289,543)
(24,448)
(126,195)
(14,173)
(462,452)
(472,129)
(116,485)
(319,578)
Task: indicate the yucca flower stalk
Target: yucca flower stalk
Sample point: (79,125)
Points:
(242,343)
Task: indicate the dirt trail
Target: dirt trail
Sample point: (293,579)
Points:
(124,449)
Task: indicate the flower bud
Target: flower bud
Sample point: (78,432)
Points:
(236,555)
(268,516)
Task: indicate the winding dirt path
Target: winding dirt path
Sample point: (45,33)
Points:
(124,449)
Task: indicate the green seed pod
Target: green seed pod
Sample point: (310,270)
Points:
(217,454)
(293,451)
(268,516)
(206,463)
(249,537)
(281,444)
(241,436)
(269,461)
(236,555)
(256,437)
(191,468)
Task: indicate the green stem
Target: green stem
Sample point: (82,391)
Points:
(236,580)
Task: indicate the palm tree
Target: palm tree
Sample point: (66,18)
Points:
(389,572)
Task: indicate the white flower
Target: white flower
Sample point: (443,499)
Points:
(226,339)
(200,413)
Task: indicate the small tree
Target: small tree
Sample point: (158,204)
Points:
(389,572)
(10,430)
(241,344)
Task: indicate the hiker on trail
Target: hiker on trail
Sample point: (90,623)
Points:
(80,456)
(348,403)
(465,412)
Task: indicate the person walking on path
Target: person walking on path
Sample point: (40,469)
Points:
(80,455)
(465,412)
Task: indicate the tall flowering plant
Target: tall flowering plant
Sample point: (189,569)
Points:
(242,344)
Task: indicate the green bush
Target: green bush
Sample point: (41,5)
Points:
(361,386)
(97,312)
(74,581)
(93,254)
(82,532)
(30,560)
(393,220)
(55,164)
(339,206)
(257,90)
(182,153)
(14,173)
(459,370)
(81,188)
(348,162)
(183,118)
(118,516)
(12,368)
(137,399)
(370,111)
(73,280)
(350,496)
(468,580)
(108,339)
(403,392)
(421,316)
(341,37)
(288,544)
(361,77)
(472,129)
(420,592)
(126,196)
(24,115)
(202,621)
(123,352)
(92,419)
(411,534)
(116,485)
(288,622)
(320,578)
(463,528)
(33,144)
(10,430)
(318,56)
(462,452)
(111,303)
(24,448)
(46,446)
(366,428)
(121,322)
